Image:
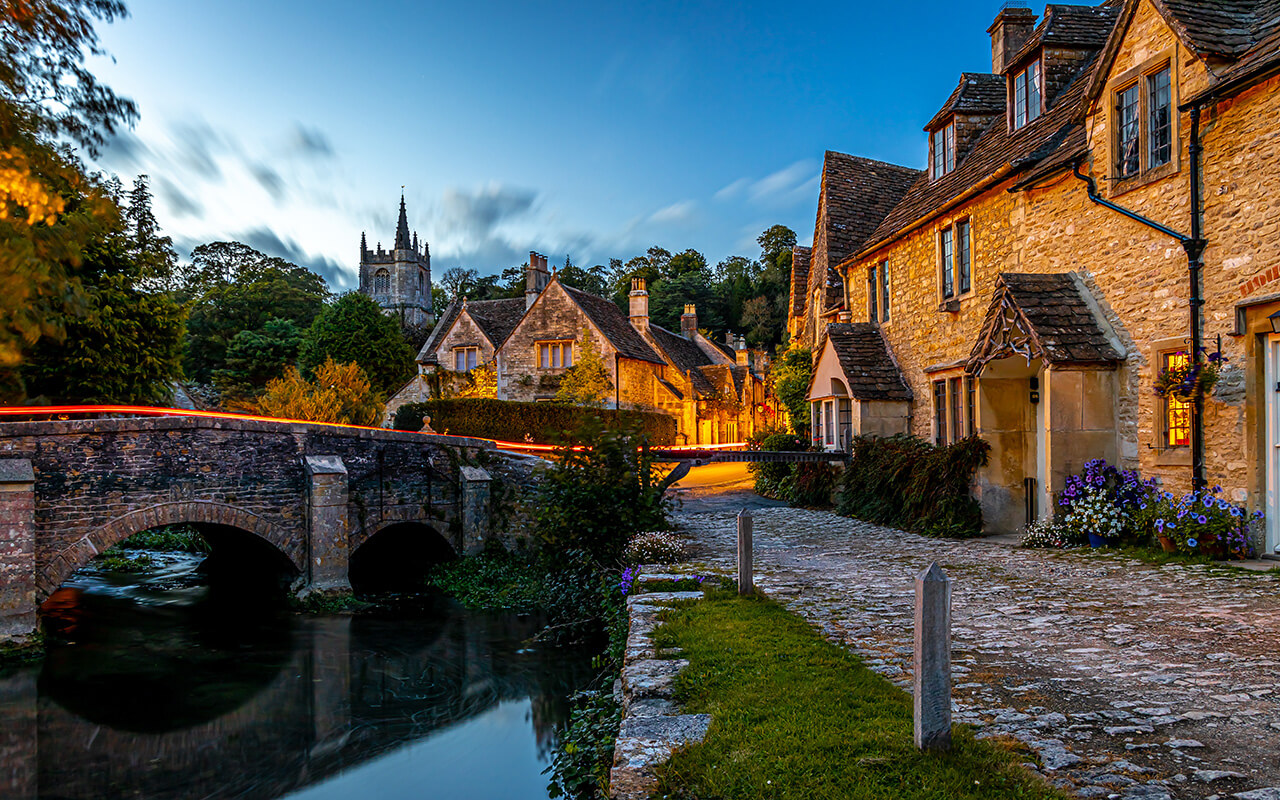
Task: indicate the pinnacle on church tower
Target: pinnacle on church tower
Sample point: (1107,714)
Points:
(402,228)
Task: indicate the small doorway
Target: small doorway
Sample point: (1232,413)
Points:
(1270,386)
(1014,482)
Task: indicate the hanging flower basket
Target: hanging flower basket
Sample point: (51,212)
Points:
(1187,379)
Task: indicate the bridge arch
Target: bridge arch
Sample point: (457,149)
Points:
(200,513)
(394,553)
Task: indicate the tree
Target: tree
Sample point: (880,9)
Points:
(150,250)
(254,358)
(668,297)
(594,280)
(240,289)
(354,329)
(587,382)
(340,393)
(789,378)
(122,343)
(775,244)
(759,320)
(458,281)
(481,382)
(683,263)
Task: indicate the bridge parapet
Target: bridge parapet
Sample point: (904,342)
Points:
(316,493)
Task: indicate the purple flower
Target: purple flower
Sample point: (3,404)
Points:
(1191,543)
(1160,525)
(1202,519)
(1207,500)
(1217,489)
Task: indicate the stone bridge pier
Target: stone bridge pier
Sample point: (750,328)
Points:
(313,494)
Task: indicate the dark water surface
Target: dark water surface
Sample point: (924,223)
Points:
(159,686)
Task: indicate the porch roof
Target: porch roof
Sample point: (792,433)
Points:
(1042,316)
(864,359)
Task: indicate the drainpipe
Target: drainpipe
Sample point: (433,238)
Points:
(1194,246)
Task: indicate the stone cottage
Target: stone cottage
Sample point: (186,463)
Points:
(1096,209)
(715,392)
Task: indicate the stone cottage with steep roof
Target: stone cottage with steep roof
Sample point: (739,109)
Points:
(716,393)
(1099,200)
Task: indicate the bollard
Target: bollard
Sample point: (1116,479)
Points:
(745,578)
(932,660)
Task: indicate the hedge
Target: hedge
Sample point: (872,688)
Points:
(510,421)
(908,483)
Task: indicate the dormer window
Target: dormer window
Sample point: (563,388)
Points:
(1027,94)
(942,146)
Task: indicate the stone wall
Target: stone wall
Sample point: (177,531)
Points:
(553,317)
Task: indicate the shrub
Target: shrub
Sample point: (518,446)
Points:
(511,421)
(340,393)
(1046,533)
(771,479)
(908,483)
(810,485)
(598,495)
(654,547)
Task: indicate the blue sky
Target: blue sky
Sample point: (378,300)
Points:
(592,130)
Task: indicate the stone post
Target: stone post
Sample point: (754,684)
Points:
(746,579)
(475,508)
(328,556)
(17,548)
(932,660)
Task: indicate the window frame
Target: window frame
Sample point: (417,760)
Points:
(1032,103)
(470,355)
(873,294)
(1142,78)
(382,281)
(946,159)
(884,291)
(955,260)
(562,350)
(1169,406)
(954,407)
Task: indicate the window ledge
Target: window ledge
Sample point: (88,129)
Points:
(949,306)
(1174,457)
(1121,186)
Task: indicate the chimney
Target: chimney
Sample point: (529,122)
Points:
(689,321)
(844,316)
(639,305)
(535,278)
(740,353)
(1008,33)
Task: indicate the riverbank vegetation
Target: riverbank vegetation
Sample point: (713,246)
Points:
(795,716)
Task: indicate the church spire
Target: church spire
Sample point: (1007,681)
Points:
(402,228)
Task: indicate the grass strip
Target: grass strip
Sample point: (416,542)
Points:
(795,716)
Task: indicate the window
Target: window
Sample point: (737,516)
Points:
(970,400)
(382,282)
(555,355)
(884,291)
(942,143)
(465,358)
(1159,120)
(1177,413)
(940,413)
(1144,121)
(1026,95)
(1127,107)
(955,260)
(953,409)
(873,295)
(956,428)
(946,247)
(422,281)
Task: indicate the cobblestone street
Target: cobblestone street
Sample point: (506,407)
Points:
(1129,680)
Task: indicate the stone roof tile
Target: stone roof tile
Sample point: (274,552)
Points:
(977,93)
(864,358)
(615,325)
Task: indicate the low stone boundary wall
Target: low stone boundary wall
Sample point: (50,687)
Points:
(652,725)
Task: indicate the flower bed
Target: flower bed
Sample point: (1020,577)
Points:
(1123,509)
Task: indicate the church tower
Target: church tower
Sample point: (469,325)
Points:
(399,279)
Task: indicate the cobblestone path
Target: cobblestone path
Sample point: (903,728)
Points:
(1128,680)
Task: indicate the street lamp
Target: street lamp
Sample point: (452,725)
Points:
(1275,322)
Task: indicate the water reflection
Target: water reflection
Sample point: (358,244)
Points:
(160,688)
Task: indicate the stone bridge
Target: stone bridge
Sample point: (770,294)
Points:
(315,494)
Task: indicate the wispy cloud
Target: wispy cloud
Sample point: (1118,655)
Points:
(790,185)
(676,213)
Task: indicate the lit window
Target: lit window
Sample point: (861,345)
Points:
(555,355)
(382,282)
(1026,95)
(465,358)
(1177,412)
(942,143)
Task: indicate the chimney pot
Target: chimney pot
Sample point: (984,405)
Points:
(689,321)
(639,305)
